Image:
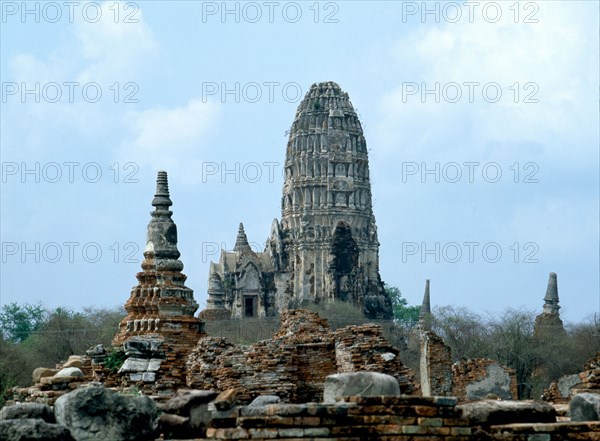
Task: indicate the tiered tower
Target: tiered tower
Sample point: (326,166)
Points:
(161,303)
(326,245)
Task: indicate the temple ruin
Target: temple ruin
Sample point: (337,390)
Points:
(325,246)
(197,386)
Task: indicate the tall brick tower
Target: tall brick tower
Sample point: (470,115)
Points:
(326,244)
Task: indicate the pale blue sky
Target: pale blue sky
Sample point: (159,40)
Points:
(544,61)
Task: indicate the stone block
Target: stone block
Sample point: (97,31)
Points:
(95,413)
(27,410)
(69,372)
(74,361)
(226,400)
(263,400)
(585,407)
(154,365)
(33,430)
(133,364)
(42,372)
(149,377)
(494,412)
(360,384)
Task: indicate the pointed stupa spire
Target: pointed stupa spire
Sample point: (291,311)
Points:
(162,200)
(425,312)
(426,305)
(551,297)
(161,237)
(241,242)
(161,303)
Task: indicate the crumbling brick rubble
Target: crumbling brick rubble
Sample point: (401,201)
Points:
(295,363)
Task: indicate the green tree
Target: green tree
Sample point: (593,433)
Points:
(513,344)
(18,322)
(404,315)
(67,332)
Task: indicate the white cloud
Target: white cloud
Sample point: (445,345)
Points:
(104,53)
(558,54)
(171,138)
(114,50)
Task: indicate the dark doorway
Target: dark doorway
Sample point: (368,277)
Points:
(248,306)
(345,259)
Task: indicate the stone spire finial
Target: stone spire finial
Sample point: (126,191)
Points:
(551,297)
(161,238)
(161,197)
(241,242)
(425,312)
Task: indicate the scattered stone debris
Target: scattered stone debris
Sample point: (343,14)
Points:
(559,390)
(590,377)
(186,414)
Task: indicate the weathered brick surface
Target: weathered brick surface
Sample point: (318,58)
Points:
(363,348)
(435,365)
(471,371)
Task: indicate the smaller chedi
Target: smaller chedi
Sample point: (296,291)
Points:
(549,320)
(161,303)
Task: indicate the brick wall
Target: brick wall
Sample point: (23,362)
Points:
(435,365)
(474,379)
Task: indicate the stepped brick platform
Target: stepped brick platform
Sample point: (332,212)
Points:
(401,418)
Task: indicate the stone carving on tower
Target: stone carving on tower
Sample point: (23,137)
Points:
(325,247)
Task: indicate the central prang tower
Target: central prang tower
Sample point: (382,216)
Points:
(326,243)
(325,248)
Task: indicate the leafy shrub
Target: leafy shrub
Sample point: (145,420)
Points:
(114,360)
